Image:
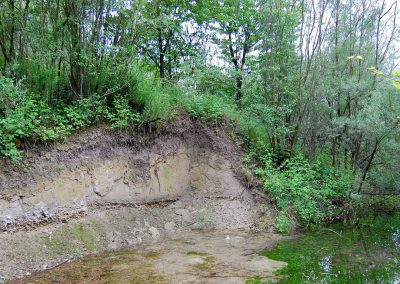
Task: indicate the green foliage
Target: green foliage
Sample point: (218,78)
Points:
(239,23)
(257,281)
(18,112)
(314,193)
(208,106)
(122,115)
(341,254)
(396,79)
(150,97)
(33,118)
(211,80)
(284,224)
(26,116)
(301,84)
(11,95)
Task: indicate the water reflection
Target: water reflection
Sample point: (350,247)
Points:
(369,253)
(396,238)
(326,264)
(191,257)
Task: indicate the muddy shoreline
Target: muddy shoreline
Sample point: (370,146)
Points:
(190,257)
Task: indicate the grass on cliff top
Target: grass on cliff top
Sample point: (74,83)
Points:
(144,103)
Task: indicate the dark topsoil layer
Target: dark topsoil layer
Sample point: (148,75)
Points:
(102,142)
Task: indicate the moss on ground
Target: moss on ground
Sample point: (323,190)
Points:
(208,264)
(124,266)
(195,253)
(76,239)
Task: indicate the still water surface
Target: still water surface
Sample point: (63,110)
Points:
(366,253)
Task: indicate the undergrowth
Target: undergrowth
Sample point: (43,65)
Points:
(305,193)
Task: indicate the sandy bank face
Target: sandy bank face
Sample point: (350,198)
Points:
(103,191)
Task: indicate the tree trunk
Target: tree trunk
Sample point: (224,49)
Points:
(368,166)
(239,83)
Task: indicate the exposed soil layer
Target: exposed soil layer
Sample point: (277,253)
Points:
(104,189)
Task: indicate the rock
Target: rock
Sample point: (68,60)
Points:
(184,213)
(181,212)
(101,190)
(155,234)
(170,227)
(195,261)
(176,204)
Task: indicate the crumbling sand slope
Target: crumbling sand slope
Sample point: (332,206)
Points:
(104,189)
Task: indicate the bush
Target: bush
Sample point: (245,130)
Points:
(284,224)
(122,115)
(315,193)
(149,96)
(25,116)
(18,112)
(208,106)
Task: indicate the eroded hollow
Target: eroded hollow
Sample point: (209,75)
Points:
(104,190)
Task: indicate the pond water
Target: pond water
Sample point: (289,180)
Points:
(192,257)
(367,253)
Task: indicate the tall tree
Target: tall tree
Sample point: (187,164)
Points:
(236,26)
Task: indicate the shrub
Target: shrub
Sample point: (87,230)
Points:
(121,115)
(284,224)
(149,96)
(312,192)
(208,106)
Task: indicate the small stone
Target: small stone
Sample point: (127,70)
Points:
(101,190)
(181,212)
(195,261)
(184,213)
(155,234)
(169,227)
(176,204)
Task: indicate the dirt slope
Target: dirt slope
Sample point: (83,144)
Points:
(104,189)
